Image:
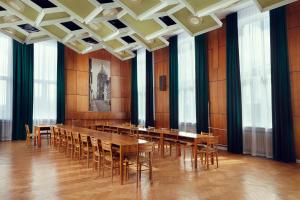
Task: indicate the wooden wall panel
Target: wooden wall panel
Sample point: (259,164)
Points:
(217,83)
(293,24)
(161,67)
(77,87)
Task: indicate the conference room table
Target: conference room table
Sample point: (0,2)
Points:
(37,133)
(194,138)
(125,143)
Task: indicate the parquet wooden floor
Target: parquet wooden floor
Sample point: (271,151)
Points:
(27,172)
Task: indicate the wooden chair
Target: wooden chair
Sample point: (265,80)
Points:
(77,145)
(86,148)
(171,141)
(144,160)
(97,154)
(70,143)
(63,140)
(52,136)
(154,138)
(56,137)
(209,151)
(29,135)
(110,158)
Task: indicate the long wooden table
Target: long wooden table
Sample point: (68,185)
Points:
(37,133)
(124,142)
(163,134)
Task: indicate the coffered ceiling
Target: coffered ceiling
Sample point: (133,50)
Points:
(119,26)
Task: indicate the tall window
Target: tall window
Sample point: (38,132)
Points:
(6,87)
(255,64)
(186,83)
(141,76)
(45,82)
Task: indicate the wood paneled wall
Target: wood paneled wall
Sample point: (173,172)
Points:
(161,68)
(217,82)
(293,26)
(77,87)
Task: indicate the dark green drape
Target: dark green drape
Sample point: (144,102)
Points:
(22,89)
(201,83)
(149,90)
(283,137)
(234,103)
(173,70)
(134,92)
(60,118)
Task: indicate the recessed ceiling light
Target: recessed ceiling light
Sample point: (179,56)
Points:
(10,19)
(16,4)
(195,20)
(109,12)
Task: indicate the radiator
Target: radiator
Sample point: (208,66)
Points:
(258,142)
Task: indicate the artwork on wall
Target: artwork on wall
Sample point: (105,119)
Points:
(99,85)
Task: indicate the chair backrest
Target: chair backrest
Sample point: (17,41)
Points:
(174,130)
(213,141)
(106,148)
(69,135)
(76,138)
(52,131)
(84,139)
(95,145)
(27,130)
(151,127)
(146,147)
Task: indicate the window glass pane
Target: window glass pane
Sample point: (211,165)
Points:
(186,83)
(45,80)
(141,76)
(6,87)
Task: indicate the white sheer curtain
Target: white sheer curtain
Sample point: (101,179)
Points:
(255,64)
(186,83)
(6,87)
(45,82)
(141,77)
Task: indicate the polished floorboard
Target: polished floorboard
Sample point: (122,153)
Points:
(27,172)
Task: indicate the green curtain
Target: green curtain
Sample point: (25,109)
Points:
(201,83)
(173,70)
(22,89)
(134,92)
(149,90)
(234,103)
(60,116)
(282,119)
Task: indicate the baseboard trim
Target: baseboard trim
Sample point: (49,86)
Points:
(298,161)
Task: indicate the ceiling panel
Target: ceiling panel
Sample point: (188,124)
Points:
(120,26)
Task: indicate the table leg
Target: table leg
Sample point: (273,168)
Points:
(195,154)
(34,136)
(162,145)
(121,165)
(39,137)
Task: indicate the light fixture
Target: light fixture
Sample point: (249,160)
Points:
(10,18)
(195,20)
(109,12)
(16,4)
